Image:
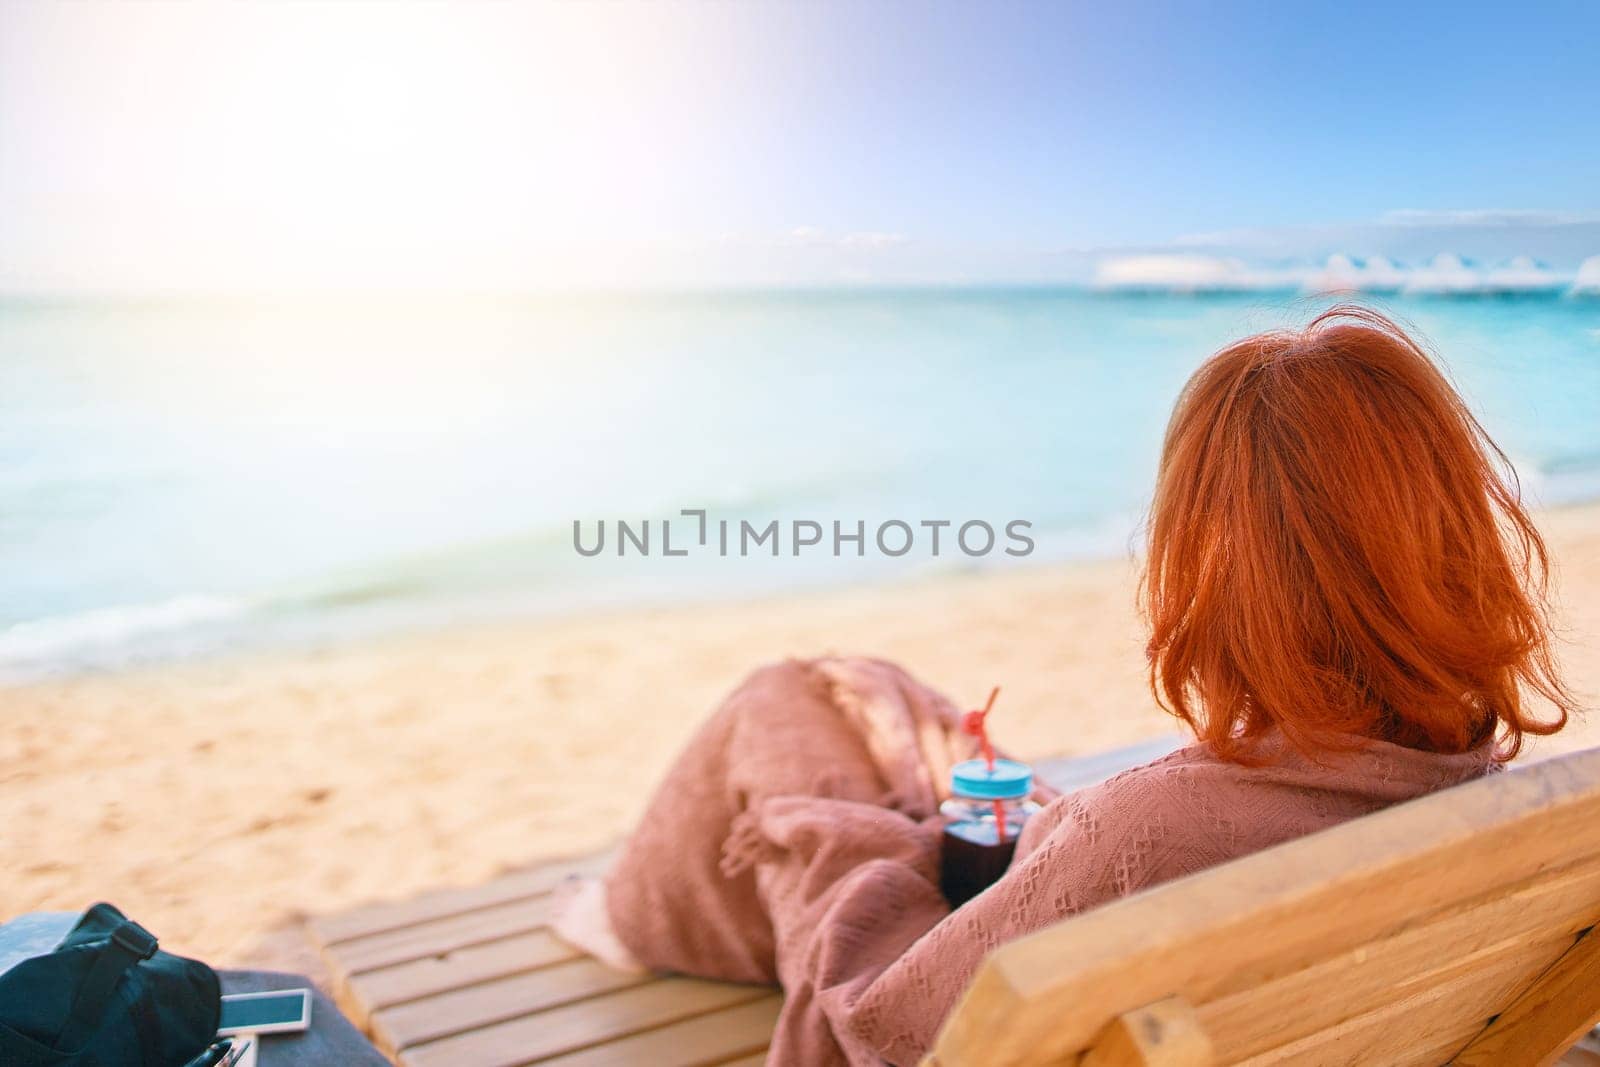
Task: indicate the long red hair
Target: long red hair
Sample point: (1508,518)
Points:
(1337,549)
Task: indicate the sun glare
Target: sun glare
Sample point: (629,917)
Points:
(446,145)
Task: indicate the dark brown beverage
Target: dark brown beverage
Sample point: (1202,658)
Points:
(972,859)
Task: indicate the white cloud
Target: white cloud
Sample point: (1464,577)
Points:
(873,239)
(1214,238)
(810,236)
(1414,237)
(1482,217)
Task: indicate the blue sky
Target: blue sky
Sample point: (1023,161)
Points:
(268,145)
(1114,123)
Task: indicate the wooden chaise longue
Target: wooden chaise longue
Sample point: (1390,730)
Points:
(1457,928)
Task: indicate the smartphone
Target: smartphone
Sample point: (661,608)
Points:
(280,1012)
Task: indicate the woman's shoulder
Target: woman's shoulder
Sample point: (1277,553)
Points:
(1365,771)
(1145,825)
(1197,799)
(1178,772)
(1158,797)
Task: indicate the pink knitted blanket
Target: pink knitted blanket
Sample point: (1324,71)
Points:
(796,841)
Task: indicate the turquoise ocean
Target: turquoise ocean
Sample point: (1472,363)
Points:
(185,477)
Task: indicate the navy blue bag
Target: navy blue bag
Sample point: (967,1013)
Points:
(108,997)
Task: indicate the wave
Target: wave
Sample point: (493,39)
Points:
(1567,479)
(105,635)
(1446,274)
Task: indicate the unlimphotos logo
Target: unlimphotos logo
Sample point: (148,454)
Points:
(794,537)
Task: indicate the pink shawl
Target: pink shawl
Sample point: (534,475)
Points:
(796,842)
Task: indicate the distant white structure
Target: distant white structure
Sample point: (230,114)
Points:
(1178,273)
(1384,276)
(1340,274)
(1446,274)
(1587,283)
(1523,274)
(1345,274)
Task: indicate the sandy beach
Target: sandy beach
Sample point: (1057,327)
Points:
(221,802)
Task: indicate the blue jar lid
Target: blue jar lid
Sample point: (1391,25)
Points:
(1008,781)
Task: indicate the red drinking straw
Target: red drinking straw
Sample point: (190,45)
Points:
(974,723)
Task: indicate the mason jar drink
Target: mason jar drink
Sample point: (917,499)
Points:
(984,817)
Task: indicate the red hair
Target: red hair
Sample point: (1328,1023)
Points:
(1337,549)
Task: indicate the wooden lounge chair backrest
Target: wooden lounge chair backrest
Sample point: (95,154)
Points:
(1451,929)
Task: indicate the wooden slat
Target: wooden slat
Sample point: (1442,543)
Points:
(1548,1017)
(438,937)
(480,1005)
(439,965)
(376,918)
(698,1042)
(578,1026)
(1253,920)
(1472,936)
(416,979)
(1420,1030)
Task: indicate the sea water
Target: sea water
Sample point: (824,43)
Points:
(180,476)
